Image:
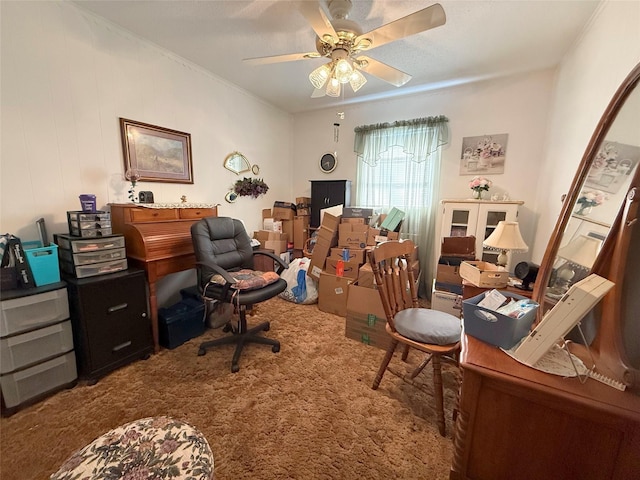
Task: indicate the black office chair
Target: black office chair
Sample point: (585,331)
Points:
(224,262)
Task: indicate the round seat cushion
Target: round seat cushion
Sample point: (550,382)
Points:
(428,326)
(150,448)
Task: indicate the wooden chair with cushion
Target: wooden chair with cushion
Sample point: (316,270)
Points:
(224,261)
(430,331)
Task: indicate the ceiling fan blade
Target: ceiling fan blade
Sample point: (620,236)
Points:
(383,71)
(291,57)
(318,20)
(417,22)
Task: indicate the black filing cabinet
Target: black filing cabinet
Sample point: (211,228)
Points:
(111,322)
(328,193)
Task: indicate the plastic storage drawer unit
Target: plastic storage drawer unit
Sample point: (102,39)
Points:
(33,311)
(23,385)
(35,346)
(78,245)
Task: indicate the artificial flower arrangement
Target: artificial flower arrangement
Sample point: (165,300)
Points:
(479,184)
(250,187)
(589,199)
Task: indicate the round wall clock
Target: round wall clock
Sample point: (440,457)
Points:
(328,162)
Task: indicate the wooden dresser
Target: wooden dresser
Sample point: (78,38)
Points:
(517,422)
(158,240)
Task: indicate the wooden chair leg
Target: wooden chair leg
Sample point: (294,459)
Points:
(439,396)
(384,364)
(405,353)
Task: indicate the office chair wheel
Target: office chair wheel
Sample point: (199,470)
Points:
(275,348)
(235,368)
(201,351)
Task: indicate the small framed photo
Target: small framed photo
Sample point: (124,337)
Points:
(157,154)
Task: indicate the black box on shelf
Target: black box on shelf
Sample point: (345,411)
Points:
(181,322)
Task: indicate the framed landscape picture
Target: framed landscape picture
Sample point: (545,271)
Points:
(157,154)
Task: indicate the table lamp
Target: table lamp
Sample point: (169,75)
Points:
(506,238)
(579,253)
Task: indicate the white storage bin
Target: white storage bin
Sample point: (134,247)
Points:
(33,311)
(20,386)
(28,348)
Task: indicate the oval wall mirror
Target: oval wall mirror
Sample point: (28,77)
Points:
(237,163)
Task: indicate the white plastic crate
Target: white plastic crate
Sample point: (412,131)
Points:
(28,348)
(20,386)
(33,311)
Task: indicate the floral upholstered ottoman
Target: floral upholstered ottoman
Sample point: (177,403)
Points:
(150,448)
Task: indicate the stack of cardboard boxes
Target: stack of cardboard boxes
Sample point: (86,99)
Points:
(285,227)
(446,294)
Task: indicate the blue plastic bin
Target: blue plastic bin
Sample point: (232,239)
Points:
(43,262)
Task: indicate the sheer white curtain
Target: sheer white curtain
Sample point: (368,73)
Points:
(399,166)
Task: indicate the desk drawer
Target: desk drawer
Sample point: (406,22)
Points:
(153,214)
(189,213)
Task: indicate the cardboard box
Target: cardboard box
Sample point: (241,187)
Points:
(376,235)
(484,274)
(353,254)
(352,220)
(446,302)
(351,269)
(365,276)
(332,294)
(330,221)
(448,270)
(366,321)
(300,231)
(272,240)
(493,327)
(352,235)
(318,257)
(303,201)
(393,220)
(459,247)
(272,225)
(287,227)
(303,211)
(357,212)
(448,287)
(329,236)
(284,210)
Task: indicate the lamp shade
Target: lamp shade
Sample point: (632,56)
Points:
(506,236)
(582,250)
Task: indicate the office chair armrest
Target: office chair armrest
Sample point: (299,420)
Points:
(281,265)
(218,269)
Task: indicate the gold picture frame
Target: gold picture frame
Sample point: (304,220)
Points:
(157,154)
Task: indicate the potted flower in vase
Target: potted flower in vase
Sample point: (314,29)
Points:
(589,199)
(479,185)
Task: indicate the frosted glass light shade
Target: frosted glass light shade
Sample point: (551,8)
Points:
(333,87)
(343,71)
(357,80)
(320,75)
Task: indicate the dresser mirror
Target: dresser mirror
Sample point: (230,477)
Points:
(597,232)
(237,163)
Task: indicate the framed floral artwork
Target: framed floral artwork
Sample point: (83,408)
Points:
(156,154)
(484,154)
(612,167)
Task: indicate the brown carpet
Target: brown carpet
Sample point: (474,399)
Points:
(307,412)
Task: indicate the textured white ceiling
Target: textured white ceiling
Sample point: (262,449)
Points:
(481,39)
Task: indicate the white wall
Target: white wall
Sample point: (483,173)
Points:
(68,76)
(587,79)
(517,105)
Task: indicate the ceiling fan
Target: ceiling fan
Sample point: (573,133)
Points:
(342,41)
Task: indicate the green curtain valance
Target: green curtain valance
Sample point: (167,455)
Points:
(418,138)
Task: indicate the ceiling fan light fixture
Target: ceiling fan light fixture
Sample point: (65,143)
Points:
(320,75)
(357,80)
(343,70)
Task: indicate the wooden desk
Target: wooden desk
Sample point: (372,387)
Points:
(515,422)
(158,240)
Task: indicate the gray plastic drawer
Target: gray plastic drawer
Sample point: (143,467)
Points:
(20,386)
(32,347)
(33,311)
(92,257)
(78,245)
